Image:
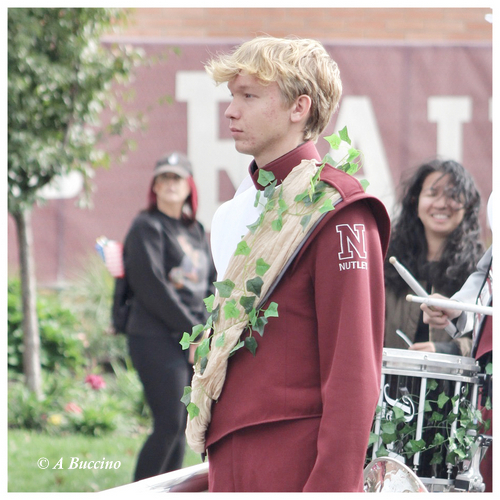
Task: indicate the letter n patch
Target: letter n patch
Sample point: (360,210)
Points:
(352,241)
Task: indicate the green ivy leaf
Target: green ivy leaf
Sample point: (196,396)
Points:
(220,340)
(488,404)
(261,267)
(399,414)
(436,417)
(305,221)
(269,190)
(203,364)
(209,303)
(343,134)
(372,439)
(437,458)
(442,400)
(252,317)
(257,199)
(270,204)
(259,325)
(185,341)
(364,184)
(328,159)
(271,311)
(438,440)
(353,153)
(225,288)
(300,197)
(327,206)
(196,330)
(265,177)
(255,225)
(388,427)
(414,446)
(282,206)
(202,349)
(382,452)
(432,384)
(238,346)
(334,140)
(277,224)
(247,303)
(251,344)
(388,438)
(231,310)
(186,396)
(193,410)
(242,248)
(255,285)
(209,324)
(215,313)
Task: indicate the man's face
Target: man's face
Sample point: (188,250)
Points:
(259,120)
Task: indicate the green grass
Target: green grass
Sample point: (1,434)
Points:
(26,448)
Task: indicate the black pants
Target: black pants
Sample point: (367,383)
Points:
(164,372)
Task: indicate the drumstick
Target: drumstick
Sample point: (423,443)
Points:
(417,288)
(451,304)
(404,337)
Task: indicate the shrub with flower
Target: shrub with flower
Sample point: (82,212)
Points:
(72,408)
(95,381)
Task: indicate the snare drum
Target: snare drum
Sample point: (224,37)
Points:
(419,396)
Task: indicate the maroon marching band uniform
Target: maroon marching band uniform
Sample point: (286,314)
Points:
(297,415)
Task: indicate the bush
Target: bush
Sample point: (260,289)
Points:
(59,341)
(89,404)
(90,297)
(89,385)
(74,324)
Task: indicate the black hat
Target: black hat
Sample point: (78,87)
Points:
(174,162)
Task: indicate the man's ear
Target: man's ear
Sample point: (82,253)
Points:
(301,108)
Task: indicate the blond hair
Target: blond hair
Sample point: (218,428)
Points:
(299,66)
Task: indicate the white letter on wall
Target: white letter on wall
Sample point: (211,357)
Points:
(449,112)
(207,152)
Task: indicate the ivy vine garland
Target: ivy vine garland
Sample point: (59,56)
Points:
(448,447)
(246,308)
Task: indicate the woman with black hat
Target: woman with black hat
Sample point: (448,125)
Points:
(170,271)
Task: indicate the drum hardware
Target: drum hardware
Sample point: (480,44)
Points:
(406,404)
(470,479)
(441,391)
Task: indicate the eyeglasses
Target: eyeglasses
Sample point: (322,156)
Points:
(454,198)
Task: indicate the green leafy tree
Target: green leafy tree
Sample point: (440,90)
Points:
(60,79)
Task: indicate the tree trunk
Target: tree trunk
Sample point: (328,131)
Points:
(31,334)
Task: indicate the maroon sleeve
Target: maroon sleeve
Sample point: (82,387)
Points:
(349,293)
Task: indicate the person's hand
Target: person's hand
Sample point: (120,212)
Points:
(423,346)
(438,317)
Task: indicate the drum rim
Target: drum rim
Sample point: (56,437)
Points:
(453,364)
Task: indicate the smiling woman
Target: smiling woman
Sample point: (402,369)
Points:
(441,210)
(436,236)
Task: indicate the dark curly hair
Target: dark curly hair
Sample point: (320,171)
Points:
(408,242)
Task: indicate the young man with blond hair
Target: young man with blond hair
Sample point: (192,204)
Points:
(295,414)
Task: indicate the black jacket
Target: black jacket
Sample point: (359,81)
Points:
(170,271)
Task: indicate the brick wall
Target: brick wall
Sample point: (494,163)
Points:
(404,24)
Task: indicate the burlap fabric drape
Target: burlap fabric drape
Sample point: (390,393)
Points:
(276,248)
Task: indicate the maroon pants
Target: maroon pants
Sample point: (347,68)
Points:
(271,457)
